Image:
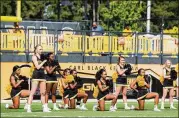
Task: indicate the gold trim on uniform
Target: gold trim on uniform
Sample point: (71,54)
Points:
(51,81)
(17,94)
(102,97)
(117,85)
(142,97)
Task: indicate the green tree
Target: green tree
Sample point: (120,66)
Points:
(166,10)
(33,9)
(121,13)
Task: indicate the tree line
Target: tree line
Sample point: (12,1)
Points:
(113,15)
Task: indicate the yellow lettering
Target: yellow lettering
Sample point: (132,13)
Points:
(88,86)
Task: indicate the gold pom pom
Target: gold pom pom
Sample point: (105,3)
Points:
(69,78)
(8,89)
(95,92)
(114,76)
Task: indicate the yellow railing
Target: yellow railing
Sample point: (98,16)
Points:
(47,41)
(12,41)
(94,44)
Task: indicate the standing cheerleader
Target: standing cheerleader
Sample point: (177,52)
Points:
(81,93)
(121,82)
(167,85)
(51,80)
(38,78)
(142,93)
(103,89)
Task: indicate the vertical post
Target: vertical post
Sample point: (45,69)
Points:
(84,45)
(136,50)
(161,46)
(94,14)
(85,9)
(58,7)
(111,46)
(28,45)
(148,15)
(18,12)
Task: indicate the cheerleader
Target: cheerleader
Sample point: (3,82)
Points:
(121,82)
(142,93)
(70,92)
(51,80)
(17,91)
(167,85)
(103,89)
(81,93)
(38,78)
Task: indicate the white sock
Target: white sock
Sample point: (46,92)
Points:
(45,105)
(115,105)
(83,104)
(171,104)
(162,103)
(28,106)
(66,105)
(54,105)
(125,104)
(112,106)
(155,106)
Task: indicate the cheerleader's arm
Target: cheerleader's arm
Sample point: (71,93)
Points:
(49,71)
(165,74)
(101,88)
(64,85)
(119,71)
(132,85)
(38,66)
(13,83)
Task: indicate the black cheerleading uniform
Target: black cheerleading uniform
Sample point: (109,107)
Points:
(168,82)
(68,92)
(38,74)
(142,90)
(15,91)
(73,92)
(51,78)
(121,80)
(102,94)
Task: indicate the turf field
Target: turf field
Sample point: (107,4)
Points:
(37,112)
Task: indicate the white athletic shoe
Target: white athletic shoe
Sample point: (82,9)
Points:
(29,110)
(162,107)
(66,107)
(172,107)
(78,107)
(156,109)
(7,106)
(60,106)
(83,108)
(115,108)
(55,108)
(112,109)
(46,110)
(127,108)
(49,109)
(132,107)
(95,107)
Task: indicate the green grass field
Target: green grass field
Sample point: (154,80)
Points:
(37,111)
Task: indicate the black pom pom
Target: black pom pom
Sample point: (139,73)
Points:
(129,69)
(173,74)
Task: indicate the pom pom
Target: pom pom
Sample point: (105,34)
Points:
(114,76)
